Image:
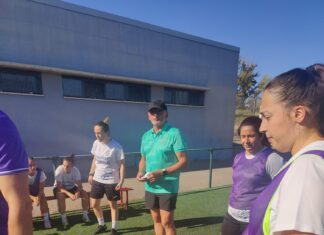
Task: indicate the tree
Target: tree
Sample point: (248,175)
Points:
(261,85)
(246,83)
(254,99)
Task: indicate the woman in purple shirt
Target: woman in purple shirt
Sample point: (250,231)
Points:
(292,111)
(15,204)
(253,170)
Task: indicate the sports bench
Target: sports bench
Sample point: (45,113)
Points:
(123,202)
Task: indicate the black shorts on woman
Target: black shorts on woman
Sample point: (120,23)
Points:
(99,189)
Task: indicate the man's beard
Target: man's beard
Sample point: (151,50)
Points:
(158,124)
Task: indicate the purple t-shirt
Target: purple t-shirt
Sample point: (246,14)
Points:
(13,159)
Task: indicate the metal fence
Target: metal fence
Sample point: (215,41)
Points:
(197,155)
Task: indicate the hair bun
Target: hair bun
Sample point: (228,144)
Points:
(319,68)
(106,120)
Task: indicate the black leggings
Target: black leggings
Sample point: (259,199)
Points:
(231,226)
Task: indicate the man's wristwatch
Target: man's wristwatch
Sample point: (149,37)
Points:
(164,171)
(91,174)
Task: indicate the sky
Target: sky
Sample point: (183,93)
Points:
(277,35)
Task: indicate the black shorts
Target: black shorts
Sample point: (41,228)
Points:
(165,202)
(232,226)
(34,193)
(99,189)
(72,190)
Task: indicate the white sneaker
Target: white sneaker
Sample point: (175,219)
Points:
(47,224)
(85,218)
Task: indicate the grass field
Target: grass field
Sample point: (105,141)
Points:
(197,213)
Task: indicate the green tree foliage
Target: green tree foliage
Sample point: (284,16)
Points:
(261,85)
(253,102)
(246,83)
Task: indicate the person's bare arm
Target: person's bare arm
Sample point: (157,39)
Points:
(79,184)
(41,189)
(14,189)
(182,161)
(34,199)
(92,170)
(80,188)
(121,174)
(61,189)
(141,167)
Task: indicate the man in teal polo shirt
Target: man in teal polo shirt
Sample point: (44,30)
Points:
(163,151)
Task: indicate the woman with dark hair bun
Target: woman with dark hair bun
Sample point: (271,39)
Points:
(106,175)
(253,170)
(292,111)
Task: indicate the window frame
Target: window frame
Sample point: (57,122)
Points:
(177,96)
(33,78)
(104,83)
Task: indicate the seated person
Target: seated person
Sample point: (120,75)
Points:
(68,184)
(36,180)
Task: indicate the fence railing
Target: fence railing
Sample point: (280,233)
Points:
(56,160)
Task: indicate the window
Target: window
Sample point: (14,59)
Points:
(72,87)
(20,81)
(115,90)
(137,92)
(94,89)
(184,96)
(107,90)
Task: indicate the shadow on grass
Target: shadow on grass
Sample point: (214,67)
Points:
(75,217)
(198,222)
(137,209)
(184,223)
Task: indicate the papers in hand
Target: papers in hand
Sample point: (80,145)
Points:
(144,177)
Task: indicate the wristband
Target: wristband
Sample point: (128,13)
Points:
(164,171)
(91,174)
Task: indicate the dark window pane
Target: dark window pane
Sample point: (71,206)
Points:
(184,97)
(168,96)
(72,87)
(20,81)
(197,98)
(102,89)
(115,91)
(136,92)
(94,89)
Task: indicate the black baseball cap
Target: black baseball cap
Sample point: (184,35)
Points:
(157,104)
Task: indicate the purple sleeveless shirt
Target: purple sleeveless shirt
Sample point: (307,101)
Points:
(260,205)
(249,179)
(13,159)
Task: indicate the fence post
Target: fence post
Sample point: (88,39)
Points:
(210,167)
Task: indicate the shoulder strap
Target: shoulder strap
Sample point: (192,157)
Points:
(38,174)
(316,152)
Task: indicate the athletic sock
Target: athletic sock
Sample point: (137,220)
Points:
(114,224)
(46,217)
(64,218)
(85,212)
(101,221)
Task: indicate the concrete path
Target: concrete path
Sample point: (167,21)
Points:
(189,181)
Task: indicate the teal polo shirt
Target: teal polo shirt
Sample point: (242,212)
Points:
(159,150)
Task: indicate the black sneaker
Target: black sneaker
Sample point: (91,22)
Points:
(113,232)
(100,229)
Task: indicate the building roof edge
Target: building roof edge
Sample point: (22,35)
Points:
(135,23)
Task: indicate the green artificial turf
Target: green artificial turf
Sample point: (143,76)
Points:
(198,213)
